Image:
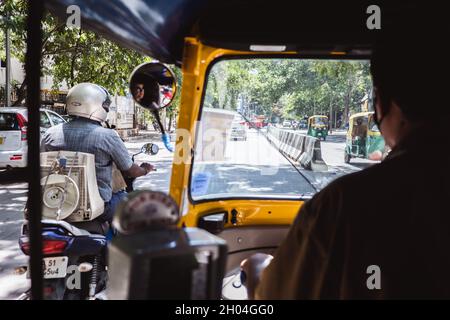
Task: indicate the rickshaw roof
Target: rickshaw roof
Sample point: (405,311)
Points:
(360,115)
(158,27)
(317,116)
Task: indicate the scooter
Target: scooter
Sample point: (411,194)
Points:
(75,253)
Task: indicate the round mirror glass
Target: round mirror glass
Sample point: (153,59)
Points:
(150,148)
(155,149)
(153,85)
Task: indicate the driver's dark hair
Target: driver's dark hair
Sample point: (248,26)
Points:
(407,67)
(152,92)
(151,88)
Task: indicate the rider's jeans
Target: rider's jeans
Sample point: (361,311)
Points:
(110,209)
(111,205)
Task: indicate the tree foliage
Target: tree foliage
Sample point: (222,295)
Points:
(72,55)
(289,88)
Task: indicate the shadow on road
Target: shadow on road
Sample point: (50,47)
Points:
(234,180)
(336,138)
(12,203)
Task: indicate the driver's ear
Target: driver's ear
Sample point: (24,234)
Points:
(380,111)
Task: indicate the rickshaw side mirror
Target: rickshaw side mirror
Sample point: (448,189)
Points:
(153,85)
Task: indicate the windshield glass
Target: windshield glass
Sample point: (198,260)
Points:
(372,125)
(273,97)
(320,121)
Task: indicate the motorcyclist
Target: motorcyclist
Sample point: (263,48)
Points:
(89,104)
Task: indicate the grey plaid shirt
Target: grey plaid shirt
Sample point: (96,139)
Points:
(88,136)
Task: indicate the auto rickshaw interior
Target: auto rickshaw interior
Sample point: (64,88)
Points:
(221,191)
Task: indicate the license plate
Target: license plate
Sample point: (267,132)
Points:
(54,267)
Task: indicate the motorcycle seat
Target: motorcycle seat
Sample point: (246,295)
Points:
(93,226)
(85,228)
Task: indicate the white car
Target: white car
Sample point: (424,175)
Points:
(13,134)
(287,124)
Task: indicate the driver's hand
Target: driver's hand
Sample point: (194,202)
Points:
(251,269)
(148,167)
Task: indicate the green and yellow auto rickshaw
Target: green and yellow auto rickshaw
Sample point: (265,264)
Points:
(364,139)
(318,127)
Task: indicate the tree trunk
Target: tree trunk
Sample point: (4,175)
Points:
(21,93)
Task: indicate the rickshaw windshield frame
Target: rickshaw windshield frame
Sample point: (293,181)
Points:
(249,56)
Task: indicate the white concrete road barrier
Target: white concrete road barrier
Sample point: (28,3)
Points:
(300,148)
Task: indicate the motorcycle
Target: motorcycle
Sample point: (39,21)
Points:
(75,252)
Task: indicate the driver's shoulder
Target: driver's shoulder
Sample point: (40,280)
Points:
(375,179)
(106,132)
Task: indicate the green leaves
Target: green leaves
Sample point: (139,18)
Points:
(289,88)
(72,55)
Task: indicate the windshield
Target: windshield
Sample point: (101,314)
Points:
(320,121)
(258,163)
(372,125)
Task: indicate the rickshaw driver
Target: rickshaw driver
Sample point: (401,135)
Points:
(360,129)
(337,236)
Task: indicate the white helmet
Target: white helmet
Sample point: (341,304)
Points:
(88,100)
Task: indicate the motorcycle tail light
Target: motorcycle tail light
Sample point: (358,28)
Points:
(49,247)
(53,246)
(25,247)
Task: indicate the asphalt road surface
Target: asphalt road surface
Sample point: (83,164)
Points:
(251,167)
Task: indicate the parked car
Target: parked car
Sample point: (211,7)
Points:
(287,124)
(13,133)
(66,117)
(303,124)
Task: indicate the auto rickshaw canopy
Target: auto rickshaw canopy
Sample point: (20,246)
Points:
(312,119)
(369,116)
(169,30)
(158,28)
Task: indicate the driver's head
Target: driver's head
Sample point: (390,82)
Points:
(137,91)
(145,90)
(407,66)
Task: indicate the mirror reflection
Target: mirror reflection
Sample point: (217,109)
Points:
(153,85)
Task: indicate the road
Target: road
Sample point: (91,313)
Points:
(252,167)
(12,202)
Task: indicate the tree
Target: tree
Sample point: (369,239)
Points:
(288,88)
(71,55)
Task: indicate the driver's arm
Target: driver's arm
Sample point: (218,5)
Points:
(302,262)
(122,159)
(137,171)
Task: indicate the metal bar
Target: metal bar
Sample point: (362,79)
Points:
(8,64)
(32,70)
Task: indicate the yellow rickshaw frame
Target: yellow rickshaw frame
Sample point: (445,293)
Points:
(197,60)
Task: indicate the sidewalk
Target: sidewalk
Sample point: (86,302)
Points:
(148,135)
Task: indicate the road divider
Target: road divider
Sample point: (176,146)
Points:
(300,148)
